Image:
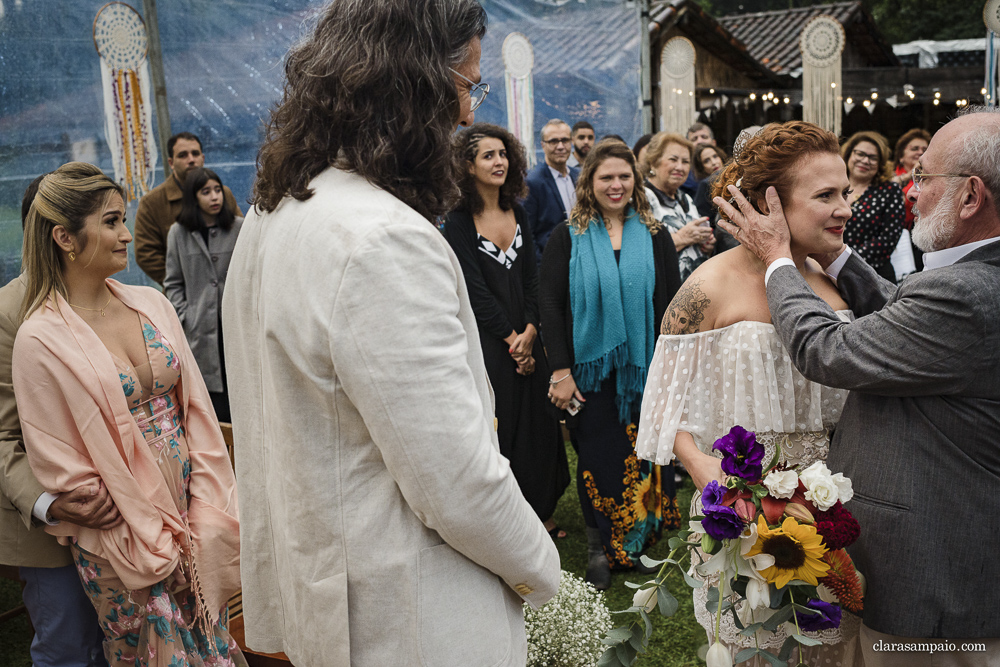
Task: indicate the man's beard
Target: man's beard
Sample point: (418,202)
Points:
(933,230)
(583,150)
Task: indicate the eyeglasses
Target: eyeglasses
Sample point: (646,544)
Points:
(918,177)
(477,91)
(865,156)
(557,142)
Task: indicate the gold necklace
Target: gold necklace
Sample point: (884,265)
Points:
(101,309)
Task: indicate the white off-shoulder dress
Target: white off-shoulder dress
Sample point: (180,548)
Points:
(705,383)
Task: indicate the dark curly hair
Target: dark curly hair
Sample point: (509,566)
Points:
(904,141)
(586,209)
(370,91)
(770,157)
(466,148)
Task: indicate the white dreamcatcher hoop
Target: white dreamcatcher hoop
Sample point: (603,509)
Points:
(519,61)
(821,44)
(121,42)
(677,100)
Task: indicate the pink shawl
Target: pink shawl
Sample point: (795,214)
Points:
(78,429)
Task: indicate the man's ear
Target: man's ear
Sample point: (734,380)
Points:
(975,198)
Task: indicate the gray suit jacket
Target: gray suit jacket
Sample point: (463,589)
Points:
(918,435)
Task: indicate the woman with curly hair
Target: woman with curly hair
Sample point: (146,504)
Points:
(719,362)
(607,278)
(493,242)
(876,201)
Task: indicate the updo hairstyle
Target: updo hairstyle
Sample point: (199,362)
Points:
(770,158)
(65,198)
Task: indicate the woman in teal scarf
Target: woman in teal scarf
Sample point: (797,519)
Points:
(606,280)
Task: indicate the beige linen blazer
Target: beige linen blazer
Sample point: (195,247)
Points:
(380,524)
(23,543)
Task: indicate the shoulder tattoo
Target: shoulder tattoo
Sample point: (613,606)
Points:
(687,310)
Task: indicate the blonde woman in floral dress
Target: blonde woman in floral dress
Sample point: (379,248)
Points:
(107,389)
(719,362)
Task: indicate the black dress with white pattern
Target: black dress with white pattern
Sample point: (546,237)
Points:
(503,290)
(874,229)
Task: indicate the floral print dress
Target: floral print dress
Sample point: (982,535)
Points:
(156,626)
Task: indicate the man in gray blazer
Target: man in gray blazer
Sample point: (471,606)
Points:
(920,433)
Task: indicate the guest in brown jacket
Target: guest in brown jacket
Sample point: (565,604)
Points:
(159,209)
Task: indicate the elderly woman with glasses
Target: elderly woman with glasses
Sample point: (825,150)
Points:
(877,202)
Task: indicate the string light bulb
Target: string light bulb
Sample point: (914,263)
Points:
(850,100)
(867,103)
(936,101)
(753,96)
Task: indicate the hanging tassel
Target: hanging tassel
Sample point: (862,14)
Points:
(519,60)
(677,85)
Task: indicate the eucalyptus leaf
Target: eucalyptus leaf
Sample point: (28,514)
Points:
(778,618)
(648,621)
(713,594)
(640,640)
(806,641)
(746,654)
(619,634)
(736,619)
(787,647)
(777,595)
(692,582)
(610,659)
(751,629)
(650,562)
(675,543)
(626,653)
(773,659)
(667,603)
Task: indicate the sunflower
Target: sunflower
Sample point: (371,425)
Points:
(797,550)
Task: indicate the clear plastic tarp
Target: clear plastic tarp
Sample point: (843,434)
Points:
(223,65)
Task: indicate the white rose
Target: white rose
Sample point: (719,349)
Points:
(817,469)
(845,489)
(822,491)
(645,599)
(782,484)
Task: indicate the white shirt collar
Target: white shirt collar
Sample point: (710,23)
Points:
(948,256)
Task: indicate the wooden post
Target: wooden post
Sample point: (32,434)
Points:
(155,56)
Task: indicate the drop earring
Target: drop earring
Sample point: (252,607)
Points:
(72,256)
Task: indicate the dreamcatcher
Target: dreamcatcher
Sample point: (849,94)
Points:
(991,17)
(822,43)
(120,39)
(518,61)
(677,102)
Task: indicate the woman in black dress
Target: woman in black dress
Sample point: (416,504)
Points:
(876,201)
(493,242)
(606,280)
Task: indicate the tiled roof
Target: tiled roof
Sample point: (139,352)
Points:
(773,37)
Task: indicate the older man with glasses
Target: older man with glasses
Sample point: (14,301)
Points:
(918,434)
(551,185)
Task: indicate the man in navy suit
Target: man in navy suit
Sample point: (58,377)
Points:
(551,185)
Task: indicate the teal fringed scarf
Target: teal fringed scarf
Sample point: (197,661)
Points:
(613,310)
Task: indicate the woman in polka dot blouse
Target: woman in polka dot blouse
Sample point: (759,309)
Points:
(876,201)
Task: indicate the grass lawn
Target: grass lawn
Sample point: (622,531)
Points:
(675,640)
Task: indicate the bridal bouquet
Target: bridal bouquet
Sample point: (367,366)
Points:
(772,538)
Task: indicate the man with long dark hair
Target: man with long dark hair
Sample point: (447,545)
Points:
(381,525)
